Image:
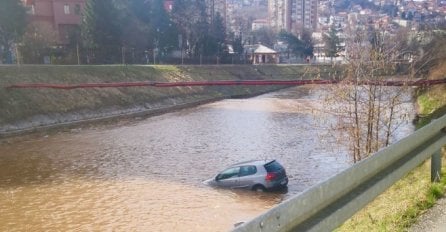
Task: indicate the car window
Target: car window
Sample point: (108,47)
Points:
(247,170)
(273,166)
(229,173)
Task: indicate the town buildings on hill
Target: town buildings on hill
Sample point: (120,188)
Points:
(293,15)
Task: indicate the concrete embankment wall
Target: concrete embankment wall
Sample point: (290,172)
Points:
(23,110)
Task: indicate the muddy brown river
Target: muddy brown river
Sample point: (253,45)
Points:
(146,174)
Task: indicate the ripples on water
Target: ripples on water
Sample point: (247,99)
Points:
(146,174)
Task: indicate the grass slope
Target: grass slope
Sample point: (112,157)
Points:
(29,108)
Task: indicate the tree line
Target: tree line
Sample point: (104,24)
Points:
(137,31)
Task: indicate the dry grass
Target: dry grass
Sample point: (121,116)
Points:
(434,97)
(438,72)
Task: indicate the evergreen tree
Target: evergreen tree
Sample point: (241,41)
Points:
(163,29)
(410,16)
(295,45)
(12,26)
(218,32)
(137,36)
(237,45)
(192,22)
(265,36)
(332,43)
(212,40)
(101,31)
(204,42)
(307,41)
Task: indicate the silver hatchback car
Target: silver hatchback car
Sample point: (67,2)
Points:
(258,175)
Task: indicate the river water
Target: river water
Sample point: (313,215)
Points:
(146,174)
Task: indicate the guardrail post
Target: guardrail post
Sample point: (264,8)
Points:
(436,166)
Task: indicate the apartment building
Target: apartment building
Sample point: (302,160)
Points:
(303,15)
(278,14)
(61,15)
(293,15)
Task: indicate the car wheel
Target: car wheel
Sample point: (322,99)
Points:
(258,188)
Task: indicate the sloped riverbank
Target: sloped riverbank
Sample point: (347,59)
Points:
(23,110)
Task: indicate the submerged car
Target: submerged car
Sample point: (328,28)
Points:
(257,175)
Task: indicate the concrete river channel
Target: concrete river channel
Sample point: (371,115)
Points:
(146,174)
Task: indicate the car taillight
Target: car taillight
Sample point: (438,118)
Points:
(271,176)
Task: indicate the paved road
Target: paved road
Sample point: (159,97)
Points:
(433,220)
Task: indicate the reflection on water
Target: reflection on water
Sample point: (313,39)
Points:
(146,174)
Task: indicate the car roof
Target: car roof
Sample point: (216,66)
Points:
(253,162)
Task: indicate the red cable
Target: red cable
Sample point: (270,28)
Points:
(222,83)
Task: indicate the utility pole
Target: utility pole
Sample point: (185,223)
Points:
(123,54)
(154,56)
(77,53)
(180,41)
(17,54)
(212,12)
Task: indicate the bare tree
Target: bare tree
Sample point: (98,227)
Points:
(368,113)
(431,52)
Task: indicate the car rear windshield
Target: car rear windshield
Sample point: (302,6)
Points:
(273,166)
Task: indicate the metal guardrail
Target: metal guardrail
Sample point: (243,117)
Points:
(327,205)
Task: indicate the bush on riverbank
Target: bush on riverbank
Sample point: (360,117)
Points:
(432,104)
(432,101)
